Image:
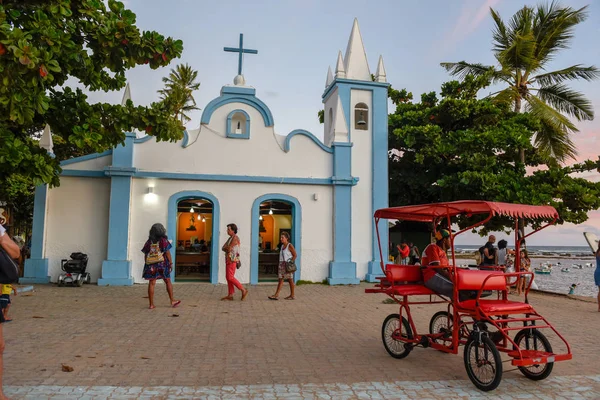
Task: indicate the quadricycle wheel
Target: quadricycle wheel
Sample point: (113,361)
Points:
(482,362)
(441,322)
(392,333)
(532,339)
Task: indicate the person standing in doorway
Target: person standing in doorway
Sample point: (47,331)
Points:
(231,248)
(286,253)
(158,263)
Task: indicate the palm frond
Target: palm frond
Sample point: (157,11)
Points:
(555,143)
(500,35)
(520,54)
(462,68)
(570,73)
(566,100)
(554,27)
(506,96)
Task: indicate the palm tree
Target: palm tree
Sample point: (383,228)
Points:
(179,86)
(523,48)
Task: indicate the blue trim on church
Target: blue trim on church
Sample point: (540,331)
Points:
(342,271)
(296,232)
(36,267)
(232,94)
(302,132)
(216,222)
(86,158)
(234,135)
(116,269)
(184,143)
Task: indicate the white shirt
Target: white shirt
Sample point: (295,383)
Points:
(285,254)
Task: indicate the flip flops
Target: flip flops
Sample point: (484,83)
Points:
(273,298)
(177,303)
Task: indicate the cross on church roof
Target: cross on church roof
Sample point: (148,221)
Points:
(240,50)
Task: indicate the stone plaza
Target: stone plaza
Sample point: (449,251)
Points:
(325,344)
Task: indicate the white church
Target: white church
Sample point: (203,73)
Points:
(323,194)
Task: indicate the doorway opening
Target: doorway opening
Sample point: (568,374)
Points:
(193,245)
(275,217)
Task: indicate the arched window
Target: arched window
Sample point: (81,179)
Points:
(238,125)
(361,117)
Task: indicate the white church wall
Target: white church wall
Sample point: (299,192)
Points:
(77,220)
(95,164)
(235,202)
(362,201)
(213,153)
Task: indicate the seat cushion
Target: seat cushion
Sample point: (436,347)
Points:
(411,290)
(497,306)
(403,273)
(472,280)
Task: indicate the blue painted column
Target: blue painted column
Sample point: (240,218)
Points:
(116,269)
(380,179)
(36,267)
(342,271)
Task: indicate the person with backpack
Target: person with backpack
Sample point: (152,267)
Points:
(158,263)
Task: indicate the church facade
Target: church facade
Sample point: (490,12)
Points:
(323,194)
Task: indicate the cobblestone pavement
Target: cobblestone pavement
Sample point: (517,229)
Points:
(325,343)
(567,388)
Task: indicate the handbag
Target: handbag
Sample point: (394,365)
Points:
(9,270)
(238,264)
(290,266)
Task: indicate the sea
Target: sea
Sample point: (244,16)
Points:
(561,258)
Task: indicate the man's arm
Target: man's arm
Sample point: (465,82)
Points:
(11,248)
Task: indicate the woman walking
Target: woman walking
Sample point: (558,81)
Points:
(286,254)
(158,264)
(597,274)
(232,258)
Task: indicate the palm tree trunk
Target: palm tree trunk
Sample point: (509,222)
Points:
(518,110)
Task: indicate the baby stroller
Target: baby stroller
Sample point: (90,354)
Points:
(74,270)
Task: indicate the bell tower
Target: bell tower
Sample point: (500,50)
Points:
(356,127)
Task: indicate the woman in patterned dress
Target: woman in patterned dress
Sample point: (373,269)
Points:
(160,270)
(286,253)
(232,257)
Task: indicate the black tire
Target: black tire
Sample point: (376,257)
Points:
(88,279)
(441,322)
(79,282)
(476,345)
(396,348)
(532,340)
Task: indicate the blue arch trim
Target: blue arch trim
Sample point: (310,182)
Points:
(252,101)
(214,241)
(184,143)
(296,232)
(302,132)
(233,135)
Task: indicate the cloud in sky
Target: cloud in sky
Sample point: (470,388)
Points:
(472,15)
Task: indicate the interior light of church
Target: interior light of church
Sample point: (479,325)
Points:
(260,217)
(270,211)
(192,209)
(203,219)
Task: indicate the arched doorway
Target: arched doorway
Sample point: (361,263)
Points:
(271,215)
(194,227)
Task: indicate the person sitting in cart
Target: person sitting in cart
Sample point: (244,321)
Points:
(434,255)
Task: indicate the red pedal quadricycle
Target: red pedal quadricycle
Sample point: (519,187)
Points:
(483,321)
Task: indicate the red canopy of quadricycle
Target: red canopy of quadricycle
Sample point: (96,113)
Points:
(428,212)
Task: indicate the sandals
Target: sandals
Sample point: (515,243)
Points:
(273,298)
(227,298)
(290,298)
(244,295)
(178,302)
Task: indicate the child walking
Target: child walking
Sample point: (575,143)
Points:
(5,301)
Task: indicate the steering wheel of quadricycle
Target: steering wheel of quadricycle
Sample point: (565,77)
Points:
(482,361)
(392,333)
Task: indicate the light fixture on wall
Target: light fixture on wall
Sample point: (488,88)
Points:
(270,211)
(260,218)
(150,189)
(203,219)
(192,209)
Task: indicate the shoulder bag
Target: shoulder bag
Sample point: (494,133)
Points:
(290,266)
(9,270)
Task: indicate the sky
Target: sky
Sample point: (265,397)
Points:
(298,40)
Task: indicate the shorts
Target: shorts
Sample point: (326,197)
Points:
(4,300)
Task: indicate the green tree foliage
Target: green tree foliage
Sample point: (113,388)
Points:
(455,147)
(179,86)
(47,46)
(523,48)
